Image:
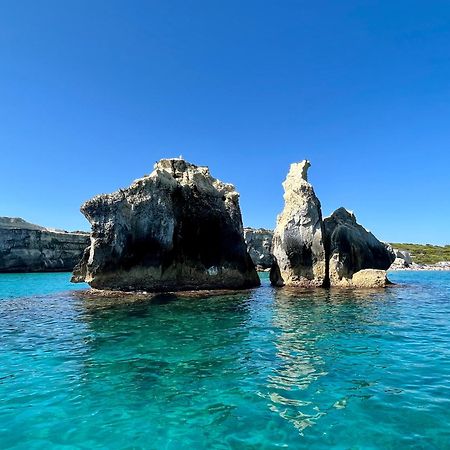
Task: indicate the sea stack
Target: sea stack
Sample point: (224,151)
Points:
(175,229)
(298,247)
(311,252)
(355,257)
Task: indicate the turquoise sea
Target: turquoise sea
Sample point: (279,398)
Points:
(262,369)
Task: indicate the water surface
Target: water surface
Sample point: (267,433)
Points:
(259,370)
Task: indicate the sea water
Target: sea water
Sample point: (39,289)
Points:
(263,369)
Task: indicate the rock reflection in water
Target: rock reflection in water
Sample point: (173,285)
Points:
(312,326)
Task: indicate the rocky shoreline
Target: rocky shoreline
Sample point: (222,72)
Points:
(438,267)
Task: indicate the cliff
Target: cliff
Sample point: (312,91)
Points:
(25,247)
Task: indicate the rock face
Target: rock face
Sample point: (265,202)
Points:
(259,244)
(310,252)
(350,248)
(298,248)
(25,247)
(403,259)
(175,229)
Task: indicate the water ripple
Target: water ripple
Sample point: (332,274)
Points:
(262,369)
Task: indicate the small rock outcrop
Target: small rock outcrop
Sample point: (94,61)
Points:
(368,278)
(259,244)
(25,247)
(350,248)
(297,247)
(175,229)
(403,259)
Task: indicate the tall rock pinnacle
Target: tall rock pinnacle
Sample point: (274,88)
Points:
(298,246)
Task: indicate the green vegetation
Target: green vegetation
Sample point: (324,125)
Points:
(426,253)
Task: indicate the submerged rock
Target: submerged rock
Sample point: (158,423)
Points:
(298,249)
(259,244)
(175,229)
(350,248)
(26,247)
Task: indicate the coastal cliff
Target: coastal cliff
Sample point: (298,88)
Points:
(259,244)
(26,247)
(175,229)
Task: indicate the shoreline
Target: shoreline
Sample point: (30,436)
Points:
(443,266)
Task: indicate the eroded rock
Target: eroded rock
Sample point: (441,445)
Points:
(350,248)
(259,244)
(298,248)
(175,229)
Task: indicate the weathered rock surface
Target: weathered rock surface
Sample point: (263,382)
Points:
(310,252)
(259,244)
(298,248)
(175,229)
(403,260)
(25,247)
(350,248)
(369,278)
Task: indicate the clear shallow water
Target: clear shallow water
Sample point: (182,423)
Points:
(262,369)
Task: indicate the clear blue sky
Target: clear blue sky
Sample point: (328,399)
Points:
(92,93)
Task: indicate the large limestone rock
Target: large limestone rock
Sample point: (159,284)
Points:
(25,247)
(259,244)
(350,248)
(298,249)
(175,229)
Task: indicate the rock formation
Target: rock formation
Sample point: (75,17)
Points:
(25,247)
(350,248)
(175,229)
(298,249)
(309,251)
(259,244)
(403,259)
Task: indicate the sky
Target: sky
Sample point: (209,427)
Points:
(93,93)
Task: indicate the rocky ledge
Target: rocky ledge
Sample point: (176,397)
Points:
(25,247)
(176,229)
